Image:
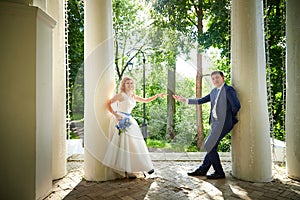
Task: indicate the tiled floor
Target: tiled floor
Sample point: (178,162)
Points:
(170,181)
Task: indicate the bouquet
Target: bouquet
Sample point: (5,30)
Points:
(123,125)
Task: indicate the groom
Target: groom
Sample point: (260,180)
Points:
(224,107)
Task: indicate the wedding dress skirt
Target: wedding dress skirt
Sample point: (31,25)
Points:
(127,151)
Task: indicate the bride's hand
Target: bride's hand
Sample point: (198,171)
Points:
(161,95)
(118,117)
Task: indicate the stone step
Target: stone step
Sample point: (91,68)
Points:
(183,156)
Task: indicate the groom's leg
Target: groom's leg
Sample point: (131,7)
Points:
(206,164)
(214,156)
(216,162)
(202,170)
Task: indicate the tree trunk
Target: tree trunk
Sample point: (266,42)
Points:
(200,132)
(200,135)
(171,103)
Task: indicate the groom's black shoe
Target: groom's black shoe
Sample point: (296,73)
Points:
(151,171)
(197,172)
(216,176)
(132,177)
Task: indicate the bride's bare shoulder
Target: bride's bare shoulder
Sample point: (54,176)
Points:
(117,97)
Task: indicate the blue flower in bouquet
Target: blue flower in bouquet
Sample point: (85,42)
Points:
(123,125)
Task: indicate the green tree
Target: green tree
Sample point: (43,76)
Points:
(131,26)
(217,17)
(76,57)
(166,43)
(275,56)
(187,17)
(173,30)
(135,34)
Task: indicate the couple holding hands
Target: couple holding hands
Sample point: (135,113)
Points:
(127,152)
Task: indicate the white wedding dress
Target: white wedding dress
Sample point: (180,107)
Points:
(127,151)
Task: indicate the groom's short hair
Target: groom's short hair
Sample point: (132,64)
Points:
(217,72)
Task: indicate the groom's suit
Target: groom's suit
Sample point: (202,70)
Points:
(222,119)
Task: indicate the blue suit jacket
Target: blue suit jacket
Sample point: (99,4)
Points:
(233,105)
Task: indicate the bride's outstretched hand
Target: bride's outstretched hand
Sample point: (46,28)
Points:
(162,95)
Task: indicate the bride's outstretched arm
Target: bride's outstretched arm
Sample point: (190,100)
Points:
(117,97)
(147,100)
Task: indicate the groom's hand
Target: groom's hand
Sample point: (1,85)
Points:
(180,98)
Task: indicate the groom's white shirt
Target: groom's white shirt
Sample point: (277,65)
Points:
(214,111)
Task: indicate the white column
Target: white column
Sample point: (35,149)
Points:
(24,2)
(44,100)
(41,4)
(26,99)
(293,89)
(251,151)
(99,86)
(55,8)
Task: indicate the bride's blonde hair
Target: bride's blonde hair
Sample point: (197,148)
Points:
(122,85)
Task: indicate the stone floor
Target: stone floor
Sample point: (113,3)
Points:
(170,181)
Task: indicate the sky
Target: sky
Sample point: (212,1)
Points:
(188,67)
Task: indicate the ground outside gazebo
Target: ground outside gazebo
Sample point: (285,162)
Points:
(170,181)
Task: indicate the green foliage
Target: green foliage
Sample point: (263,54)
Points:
(218,34)
(217,15)
(162,33)
(187,17)
(225,143)
(73,135)
(275,40)
(223,64)
(185,116)
(76,57)
(192,148)
(131,26)
(155,143)
(173,33)
(77,96)
(156,112)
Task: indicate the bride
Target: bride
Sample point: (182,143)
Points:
(127,151)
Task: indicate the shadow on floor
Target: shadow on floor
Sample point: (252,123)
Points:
(116,189)
(233,188)
(170,182)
